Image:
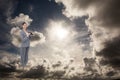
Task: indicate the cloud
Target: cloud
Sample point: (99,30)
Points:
(35,72)
(60,46)
(7,57)
(111,53)
(18,20)
(61,57)
(7,7)
(37,37)
(10,63)
(55,49)
(103,22)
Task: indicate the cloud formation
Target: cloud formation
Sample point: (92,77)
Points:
(37,37)
(103,23)
(18,20)
(10,63)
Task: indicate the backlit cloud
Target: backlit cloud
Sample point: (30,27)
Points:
(103,23)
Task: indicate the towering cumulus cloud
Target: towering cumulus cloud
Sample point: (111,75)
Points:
(37,37)
(103,23)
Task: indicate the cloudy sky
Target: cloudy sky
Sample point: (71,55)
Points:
(74,29)
(63,37)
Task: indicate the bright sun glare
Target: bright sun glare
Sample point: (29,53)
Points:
(57,31)
(61,33)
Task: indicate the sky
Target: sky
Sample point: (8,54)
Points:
(64,30)
(44,17)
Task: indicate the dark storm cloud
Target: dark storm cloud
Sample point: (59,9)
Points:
(103,23)
(35,72)
(111,53)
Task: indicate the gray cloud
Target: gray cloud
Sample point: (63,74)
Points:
(103,23)
(9,63)
(111,53)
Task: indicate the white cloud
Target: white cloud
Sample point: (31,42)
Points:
(36,39)
(18,20)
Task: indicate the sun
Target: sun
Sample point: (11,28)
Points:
(57,31)
(61,33)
